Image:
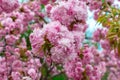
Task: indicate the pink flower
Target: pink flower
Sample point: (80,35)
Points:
(16,76)
(105,44)
(32,73)
(9,5)
(17,65)
(67,12)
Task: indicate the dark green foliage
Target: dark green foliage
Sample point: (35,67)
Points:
(26,36)
(61,76)
(105,76)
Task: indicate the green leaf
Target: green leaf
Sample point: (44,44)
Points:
(46,46)
(85,76)
(81,56)
(59,67)
(26,36)
(105,76)
(2,54)
(42,7)
(102,19)
(103,1)
(111,35)
(118,47)
(61,76)
(44,70)
(24,58)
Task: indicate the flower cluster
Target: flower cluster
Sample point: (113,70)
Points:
(53,39)
(42,39)
(86,66)
(8,5)
(109,55)
(61,42)
(17,61)
(69,12)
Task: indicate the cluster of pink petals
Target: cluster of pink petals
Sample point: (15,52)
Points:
(68,12)
(108,55)
(8,5)
(58,36)
(66,43)
(86,67)
(18,62)
(57,43)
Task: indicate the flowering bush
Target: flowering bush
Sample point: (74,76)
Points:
(46,40)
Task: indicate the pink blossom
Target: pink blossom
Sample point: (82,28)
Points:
(9,5)
(32,73)
(69,11)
